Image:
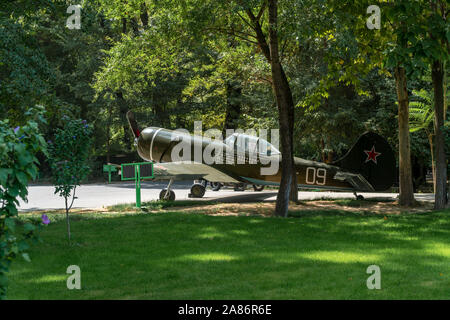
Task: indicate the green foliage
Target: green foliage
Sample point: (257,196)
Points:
(69,153)
(24,71)
(403,39)
(421,112)
(172,61)
(69,158)
(18,165)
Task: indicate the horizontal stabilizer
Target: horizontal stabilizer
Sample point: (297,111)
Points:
(356,180)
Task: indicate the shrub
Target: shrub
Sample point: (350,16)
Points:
(69,160)
(18,164)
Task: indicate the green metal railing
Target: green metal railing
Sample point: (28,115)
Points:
(109,168)
(137,172)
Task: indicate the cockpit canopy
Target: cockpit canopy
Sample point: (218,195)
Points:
(251,144)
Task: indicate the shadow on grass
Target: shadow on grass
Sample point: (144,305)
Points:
(191,256)
(159,204)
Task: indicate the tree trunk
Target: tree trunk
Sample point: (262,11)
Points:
(406,197)
(108,135)
(285,105)
(330,153)
(67,219)
(234,92)
(134,26)
(159,116)
(124,25)
(330,156)
(123,109)
(437,74)
(322,149)
(293,194)
(144,15)
(433,165)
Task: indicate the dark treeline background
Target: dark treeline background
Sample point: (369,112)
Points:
(146,56)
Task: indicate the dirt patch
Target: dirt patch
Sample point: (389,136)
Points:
(267,208)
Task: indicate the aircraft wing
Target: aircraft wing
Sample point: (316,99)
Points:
(188,170)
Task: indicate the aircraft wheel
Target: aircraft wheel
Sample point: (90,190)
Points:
(197,191)
(258,187)
(162,195)
(215,186)
(240,187)
(359,197)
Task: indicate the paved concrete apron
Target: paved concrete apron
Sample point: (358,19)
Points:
(93,196)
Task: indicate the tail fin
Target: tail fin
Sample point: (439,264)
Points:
(133,124)
(373,158)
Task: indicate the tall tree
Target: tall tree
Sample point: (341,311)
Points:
(406,196)
(285,105)
(439,34)
(421,117)
(393,49)
(194,22)
(428,37)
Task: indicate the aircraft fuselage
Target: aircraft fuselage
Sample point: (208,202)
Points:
(157,145)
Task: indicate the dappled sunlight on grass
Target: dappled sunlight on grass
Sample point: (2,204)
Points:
(340,257)
(50,278)
(174,255)
(400,236)
(255,221)
(438,248)
(208,257)
(239,232)
(210,233)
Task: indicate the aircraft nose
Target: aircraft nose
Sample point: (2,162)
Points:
(147,134)
(144,143)
(154,143)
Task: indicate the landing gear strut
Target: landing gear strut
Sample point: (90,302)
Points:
(358,196)
(240,187)
(167,194)
(215,186)
(258,188)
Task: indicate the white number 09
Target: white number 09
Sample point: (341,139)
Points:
(316,176)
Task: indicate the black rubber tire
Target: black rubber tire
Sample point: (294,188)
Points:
(163,193)
(240,187)
(258,188)
(359,197)
(197,190)
(215,186)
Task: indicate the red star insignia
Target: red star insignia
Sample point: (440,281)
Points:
(372,155)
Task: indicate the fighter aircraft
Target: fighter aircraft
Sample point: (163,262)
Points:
(369,166)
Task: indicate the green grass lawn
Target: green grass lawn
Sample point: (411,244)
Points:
(158,204)
(315,255)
